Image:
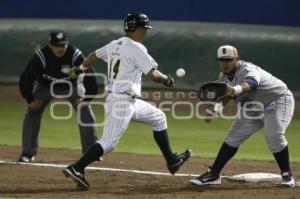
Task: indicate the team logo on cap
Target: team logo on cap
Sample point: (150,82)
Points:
(59,35)
(224,51)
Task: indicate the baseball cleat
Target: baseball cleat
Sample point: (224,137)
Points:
(77,177)
(207,178)
(26,158)
(181,158)
(288,180)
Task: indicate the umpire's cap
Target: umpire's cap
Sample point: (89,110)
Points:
(136,20)
(58,38)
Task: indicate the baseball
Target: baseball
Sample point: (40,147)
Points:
(180,72)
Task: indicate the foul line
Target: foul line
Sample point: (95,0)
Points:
(111,169)
(100,169)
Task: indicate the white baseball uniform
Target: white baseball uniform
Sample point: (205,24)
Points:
(127,60)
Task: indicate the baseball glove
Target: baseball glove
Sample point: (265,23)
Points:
(212,91)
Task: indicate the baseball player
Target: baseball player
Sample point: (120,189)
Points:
(269,104)
(49,65)
(127,59)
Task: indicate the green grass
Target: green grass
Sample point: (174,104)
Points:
(204,139)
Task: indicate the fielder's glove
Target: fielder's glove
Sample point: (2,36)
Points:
(74,72)
(213,91)
(169,82)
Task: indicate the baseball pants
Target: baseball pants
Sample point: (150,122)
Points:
(276,118)
(120,110)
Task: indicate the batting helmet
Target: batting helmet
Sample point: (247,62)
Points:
(136,20)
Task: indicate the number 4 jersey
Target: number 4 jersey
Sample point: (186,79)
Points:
(127,60)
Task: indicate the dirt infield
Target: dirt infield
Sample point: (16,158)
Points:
(24,181)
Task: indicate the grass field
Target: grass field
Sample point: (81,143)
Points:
(204,139)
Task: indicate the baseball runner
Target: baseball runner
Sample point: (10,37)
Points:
(127,59)
(269,104)
(48,65)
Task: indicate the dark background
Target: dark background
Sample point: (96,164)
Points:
(268,12)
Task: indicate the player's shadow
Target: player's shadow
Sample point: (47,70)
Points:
(23,191)
(136,190)
(185,189)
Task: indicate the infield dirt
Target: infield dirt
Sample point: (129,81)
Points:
(25,181)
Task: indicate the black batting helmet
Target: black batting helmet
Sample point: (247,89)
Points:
(136,20)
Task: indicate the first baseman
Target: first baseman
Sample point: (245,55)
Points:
(49,66)
(127,59)
(269,104)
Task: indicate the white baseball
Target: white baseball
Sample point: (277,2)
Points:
(180,72)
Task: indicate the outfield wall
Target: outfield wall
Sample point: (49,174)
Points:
(190,45)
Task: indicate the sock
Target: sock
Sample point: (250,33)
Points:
(90,156)
(282,159)
(226,152)
(162,140)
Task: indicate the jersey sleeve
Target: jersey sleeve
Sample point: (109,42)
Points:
(250,72)
(143,60)
(78,58)
(101,53)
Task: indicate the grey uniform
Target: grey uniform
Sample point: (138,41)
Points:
(275,98)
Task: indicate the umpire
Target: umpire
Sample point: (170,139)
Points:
(47,66)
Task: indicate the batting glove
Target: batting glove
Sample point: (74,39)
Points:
(74,72)
(169,82)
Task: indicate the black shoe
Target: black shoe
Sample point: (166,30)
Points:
(26,158)
(77,177)
(181,158)
(208,178)
(288,180)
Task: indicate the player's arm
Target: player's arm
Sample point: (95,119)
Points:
(91,59)
(89,81)
(250,80)
(157,76)
(248,84)
(149,67)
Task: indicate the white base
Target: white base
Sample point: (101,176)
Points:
(255,177)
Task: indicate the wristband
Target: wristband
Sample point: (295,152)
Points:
(237,89)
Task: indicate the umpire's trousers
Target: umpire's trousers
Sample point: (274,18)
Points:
(32,121)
